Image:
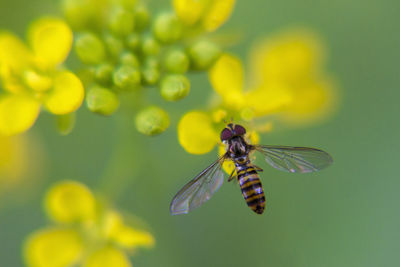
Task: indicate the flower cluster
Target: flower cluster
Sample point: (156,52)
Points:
(125,50)
(289,84)
(33,77)
(83,232)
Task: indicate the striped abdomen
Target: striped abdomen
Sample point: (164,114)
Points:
(250,184)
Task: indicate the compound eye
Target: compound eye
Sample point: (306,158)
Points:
(226,134)
(239,130)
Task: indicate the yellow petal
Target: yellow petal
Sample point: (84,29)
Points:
(51,40)
(226,77)
(130,238)
(314,101)
(228,165)
(217,13)
(269,99)
(107,257)
(10,82)
(253,136)
(17,114)
(53,247)
(189,11)
(37,81)
(219,115)
(112,220)
(290,56)
(67,94)
(69,201)
(14,55)
(115,229)
(196,134)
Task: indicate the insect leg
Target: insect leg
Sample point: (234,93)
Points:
(231,176)
(258,168)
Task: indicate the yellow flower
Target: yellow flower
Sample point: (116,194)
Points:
(70,202)
(85,234)
(116,229)
(32,76)
(209,14)
(289,84)
(54,246)
(107,256)
(295,59)
(196,133)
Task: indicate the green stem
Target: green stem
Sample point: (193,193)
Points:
(123,166)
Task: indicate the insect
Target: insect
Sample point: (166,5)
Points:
(284,158)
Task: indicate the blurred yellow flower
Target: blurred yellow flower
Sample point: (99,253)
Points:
(289,84)
(107,256)
(209,14)
(33,76)
(55,247)
(70,202)
(295,60)
(127,237)
(196,132)
(85,233)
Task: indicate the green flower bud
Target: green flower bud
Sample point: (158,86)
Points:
(128,4)
(89,48)
(203,54)
(103,73)
(176,61)
(150,46)
(130,59)
(151,70)
(66,123)
(127,77)
(152,121)
(175,87)
(133,41)
(77,13)
(152,62)
(114,45)
(121,22)
(142,18)
(167,28)
(101,100)
(150,75)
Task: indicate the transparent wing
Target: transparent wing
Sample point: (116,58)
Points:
(199,190)
(295,159)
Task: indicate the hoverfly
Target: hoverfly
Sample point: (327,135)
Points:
(284,158)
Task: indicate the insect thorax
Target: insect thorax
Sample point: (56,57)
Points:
(238,150)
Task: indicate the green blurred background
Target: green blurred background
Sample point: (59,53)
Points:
(346,215)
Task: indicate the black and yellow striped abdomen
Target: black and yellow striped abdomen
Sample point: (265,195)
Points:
(251,187)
